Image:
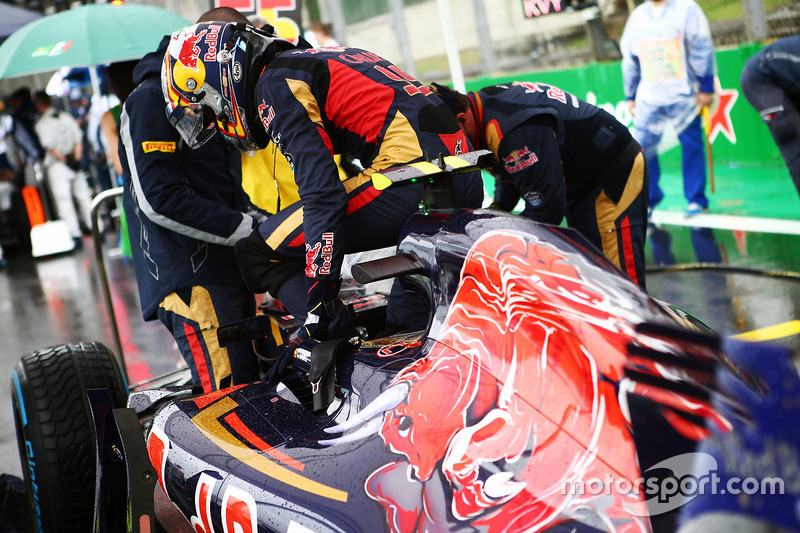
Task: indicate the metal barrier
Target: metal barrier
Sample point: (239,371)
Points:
(102,277)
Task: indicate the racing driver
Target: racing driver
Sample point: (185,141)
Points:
(252,86)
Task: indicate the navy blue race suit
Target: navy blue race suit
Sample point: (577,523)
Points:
(321,102)
(566,157)
(185,211)
(771,83)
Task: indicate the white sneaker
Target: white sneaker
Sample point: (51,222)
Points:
(694,209)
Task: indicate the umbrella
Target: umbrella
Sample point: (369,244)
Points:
(88,35)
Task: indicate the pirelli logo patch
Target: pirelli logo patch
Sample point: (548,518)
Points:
(158,146)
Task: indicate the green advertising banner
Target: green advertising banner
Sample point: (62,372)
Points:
(738,136)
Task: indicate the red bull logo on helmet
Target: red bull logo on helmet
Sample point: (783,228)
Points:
(190,52)
(211,42)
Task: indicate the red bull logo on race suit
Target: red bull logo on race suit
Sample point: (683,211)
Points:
(311,257)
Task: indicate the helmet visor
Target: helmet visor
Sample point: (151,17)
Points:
(193,118)
(195,123)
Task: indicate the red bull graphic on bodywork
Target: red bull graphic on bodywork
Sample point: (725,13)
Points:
(513,403)
(157,446)
(491,421)
(239,513)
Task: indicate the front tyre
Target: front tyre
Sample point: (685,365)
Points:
(55,432)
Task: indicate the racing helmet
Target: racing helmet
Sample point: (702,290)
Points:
(208,79)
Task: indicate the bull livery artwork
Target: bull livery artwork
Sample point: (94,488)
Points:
(510,408)
(489,427)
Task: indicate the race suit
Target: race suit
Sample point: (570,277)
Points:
(667,56)
(771,83)
(566,157)
(185,211)
(321,102)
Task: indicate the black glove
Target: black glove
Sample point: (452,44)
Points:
(285,354)
(284,358)
(73,164)
(322,303)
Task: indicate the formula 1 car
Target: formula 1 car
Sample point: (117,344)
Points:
(547,392)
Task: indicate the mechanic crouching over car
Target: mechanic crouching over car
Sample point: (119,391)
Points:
(563,157)
(185,210)
(313,103)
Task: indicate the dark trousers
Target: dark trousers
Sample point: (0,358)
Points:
(193,316)
(613,217)
(370,224)
(779,112)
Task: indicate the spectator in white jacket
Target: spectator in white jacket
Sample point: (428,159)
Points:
(61,139)
(668,72)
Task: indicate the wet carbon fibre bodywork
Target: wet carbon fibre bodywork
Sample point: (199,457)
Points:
(477,424)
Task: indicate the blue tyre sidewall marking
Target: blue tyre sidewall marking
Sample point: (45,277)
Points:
(20,402)
(28,451)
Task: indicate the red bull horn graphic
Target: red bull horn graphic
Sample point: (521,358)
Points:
(311,258)
(519,160)
(190,52)
(518,385)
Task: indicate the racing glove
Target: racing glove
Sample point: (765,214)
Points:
(285,356)
(322,304)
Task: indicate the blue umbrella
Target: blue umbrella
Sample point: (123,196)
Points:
(13,18)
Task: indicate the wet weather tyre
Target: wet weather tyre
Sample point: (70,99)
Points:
(55,433)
